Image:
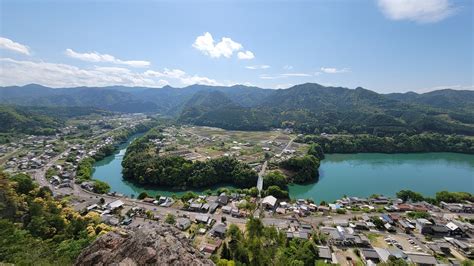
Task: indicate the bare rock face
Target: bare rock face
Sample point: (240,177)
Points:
(162,245)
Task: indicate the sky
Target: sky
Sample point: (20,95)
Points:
(382,45)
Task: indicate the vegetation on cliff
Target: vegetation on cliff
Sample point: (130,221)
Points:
(36,229)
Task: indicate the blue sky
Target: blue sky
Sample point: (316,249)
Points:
(382,45)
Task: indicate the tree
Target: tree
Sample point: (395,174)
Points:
(407,195)
(170,219)
(142,195)
(277,192)
(316,150)
(225,262)
(254,227)
(101,187)
(225,252)
(378,222)
(24,184)
(275,178)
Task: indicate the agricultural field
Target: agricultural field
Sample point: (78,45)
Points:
(201,143)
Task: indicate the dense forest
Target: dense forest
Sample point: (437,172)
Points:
(304,169)
(36,229)
(38,120)
(308,108)
(261,245)
(427,142)
(144,164)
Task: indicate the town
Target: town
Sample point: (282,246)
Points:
(349,231)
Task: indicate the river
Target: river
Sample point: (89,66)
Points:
(361,175)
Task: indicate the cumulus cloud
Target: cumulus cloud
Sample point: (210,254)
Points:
(105,58)
(182,77)
(333,70)
(16,72)
(225,48)
(285,75)
(10,45)
(257,67)
(296,75)
(246,55)
(422,11)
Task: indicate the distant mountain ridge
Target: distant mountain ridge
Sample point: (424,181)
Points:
(308,107)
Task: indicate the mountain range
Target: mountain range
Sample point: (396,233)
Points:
(309,107)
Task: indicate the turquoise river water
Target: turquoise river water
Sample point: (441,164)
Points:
(361,175)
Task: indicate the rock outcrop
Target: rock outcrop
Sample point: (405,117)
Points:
(161,245)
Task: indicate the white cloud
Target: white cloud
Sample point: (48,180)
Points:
(287,67)
(14,46)
(285,75)
(296,75)
(257,67)
(105,58)
(225,48)
(15,72)
(182,77)
(246,55)
(271,77)
(422,11)
(333,70)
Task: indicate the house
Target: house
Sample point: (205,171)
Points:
(205,207)
(148,200)
(440,247)
(384,254)
(219,230)
(423,226)
(222,200)
(269,202)
(406,226)
(202,218)
(422,259)
(369,254)
(455,230)
(162,199)
(195,206)
(387,218)
(226,209)
(439,230)
(183,223)
(324,209)
(213,207)
(325,253)
(234,212)
(297,234)
(114,205)
(397,253)
(379,200)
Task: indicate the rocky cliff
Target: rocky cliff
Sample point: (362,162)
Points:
(161,245)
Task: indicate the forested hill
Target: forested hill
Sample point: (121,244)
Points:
(309,108)
(445,99)
(38,120)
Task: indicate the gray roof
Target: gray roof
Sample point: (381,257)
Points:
(220,228)
(370,254)
(422,258)
(325,252)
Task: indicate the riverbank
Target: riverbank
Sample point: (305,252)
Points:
(364,174)
(341,174)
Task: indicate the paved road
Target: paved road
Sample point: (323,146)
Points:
(40,174)
(264,168)
(287,146)
(260,176)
